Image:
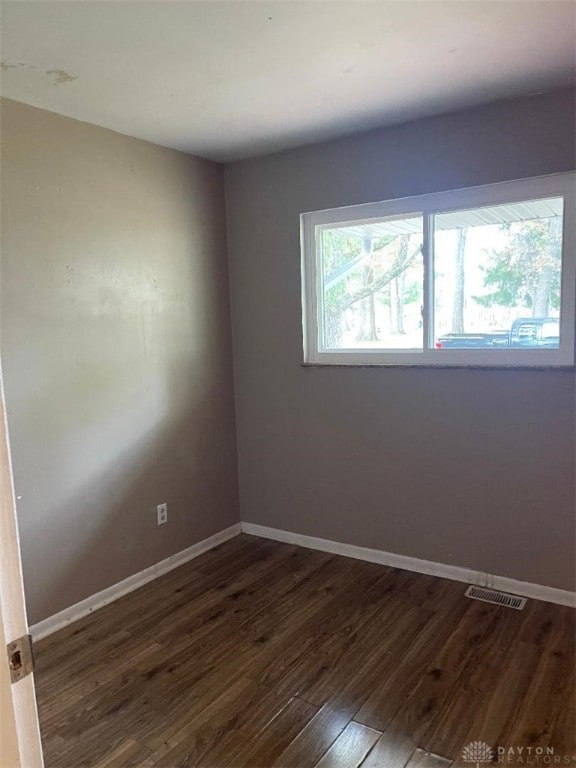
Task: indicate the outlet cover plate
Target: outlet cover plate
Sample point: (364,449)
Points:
(162,511)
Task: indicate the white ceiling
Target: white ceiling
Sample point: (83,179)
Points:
(227,80)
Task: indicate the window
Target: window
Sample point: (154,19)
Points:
(473,277)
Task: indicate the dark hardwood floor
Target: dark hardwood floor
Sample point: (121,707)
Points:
(261,654)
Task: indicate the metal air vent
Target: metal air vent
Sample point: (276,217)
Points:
(497,598)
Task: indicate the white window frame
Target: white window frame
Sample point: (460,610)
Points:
(557,185)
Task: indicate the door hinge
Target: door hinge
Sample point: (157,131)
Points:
(20,658)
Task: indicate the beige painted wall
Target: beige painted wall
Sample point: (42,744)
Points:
(116,352)
(470,467)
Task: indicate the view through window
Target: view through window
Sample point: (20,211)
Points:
(497,276)
(372,280)
(439,283)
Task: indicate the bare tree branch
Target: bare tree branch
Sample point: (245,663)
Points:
(397,268)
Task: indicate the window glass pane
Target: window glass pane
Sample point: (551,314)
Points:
(497,276)
(372,279)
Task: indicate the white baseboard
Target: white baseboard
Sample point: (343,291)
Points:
(108,595)
(443,570)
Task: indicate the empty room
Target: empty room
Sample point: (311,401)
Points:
(288,385)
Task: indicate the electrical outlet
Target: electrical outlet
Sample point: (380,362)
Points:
(162,510)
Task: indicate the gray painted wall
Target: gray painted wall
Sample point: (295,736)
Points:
(470,467)
(116,352)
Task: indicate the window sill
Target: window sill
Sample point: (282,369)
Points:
(445,367)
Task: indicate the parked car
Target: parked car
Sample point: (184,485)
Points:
(539,332)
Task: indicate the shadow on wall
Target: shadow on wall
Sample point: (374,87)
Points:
(115,351)
(106,472)
(107,436)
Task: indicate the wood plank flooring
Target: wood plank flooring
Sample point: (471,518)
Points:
(259,654)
